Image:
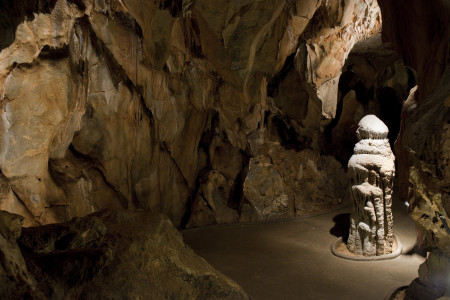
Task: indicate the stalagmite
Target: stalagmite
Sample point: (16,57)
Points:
(372,170)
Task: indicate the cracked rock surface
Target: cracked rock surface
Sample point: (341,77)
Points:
(167,105)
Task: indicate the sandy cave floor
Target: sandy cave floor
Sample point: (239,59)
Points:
(293,260)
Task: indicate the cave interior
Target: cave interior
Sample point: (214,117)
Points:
(204,149)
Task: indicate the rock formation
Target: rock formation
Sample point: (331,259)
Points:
(423,147)
(217,111)
(372,172)
(132,104)
(107,255)
(374,81)
(15,280)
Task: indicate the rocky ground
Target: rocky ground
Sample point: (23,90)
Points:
(107,255)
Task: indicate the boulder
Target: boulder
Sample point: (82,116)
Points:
(120,255)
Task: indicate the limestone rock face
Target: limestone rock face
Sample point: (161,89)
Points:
(354,21)
(265,190)
(120,255)
(425,150)
(137,104)
(276,180)
(372,171)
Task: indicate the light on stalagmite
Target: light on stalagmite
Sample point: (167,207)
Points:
(371,170)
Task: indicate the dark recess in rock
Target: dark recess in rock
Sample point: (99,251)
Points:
(390,110)
(173,6)
(48,52)
(79,3)
(272,85)
(289,137)
(237,191)
(13,12)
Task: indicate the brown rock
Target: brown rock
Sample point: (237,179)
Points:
(31,120)
(15,280)
(78,233)
(374,81)
(264,189)
(422,144)
(425,150)
(327,46)
(139,255)
(110,103)
(287,183)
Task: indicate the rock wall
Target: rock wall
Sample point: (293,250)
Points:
(207,111)
(423,141)
(423,145)
(374,81)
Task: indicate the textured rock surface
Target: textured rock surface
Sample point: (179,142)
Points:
(15,280)
(120,255)
(432,282)
(426,151)
(423,144)
(131,104)
(423,141)
(276,180)
(372,171)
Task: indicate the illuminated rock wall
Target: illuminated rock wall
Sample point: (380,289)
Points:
(169,105)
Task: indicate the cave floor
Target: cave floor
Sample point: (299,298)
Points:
(293,260)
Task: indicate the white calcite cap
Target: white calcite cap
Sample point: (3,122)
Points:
(370,127)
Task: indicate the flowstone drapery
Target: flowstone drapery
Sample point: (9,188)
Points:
(372,170)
